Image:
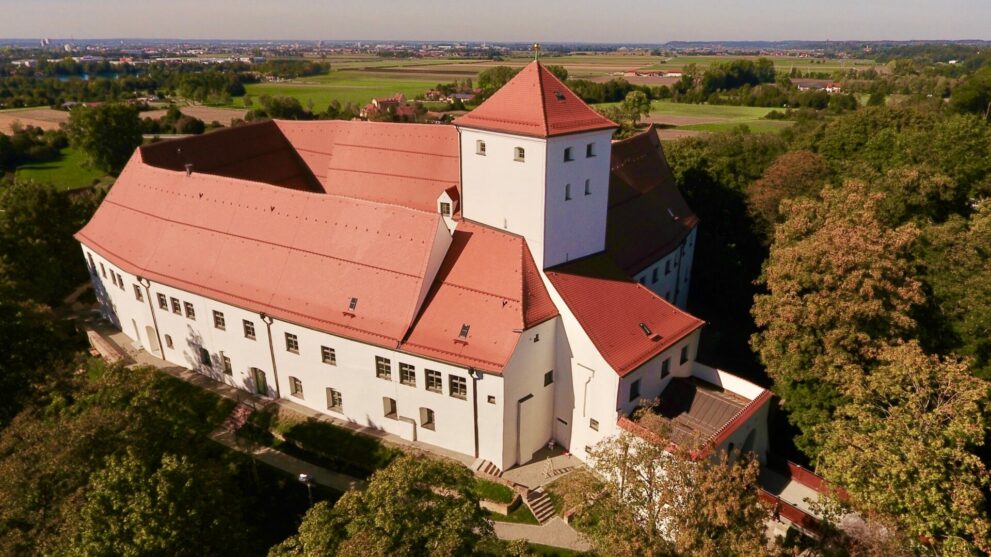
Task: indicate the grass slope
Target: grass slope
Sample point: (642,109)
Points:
(67,172)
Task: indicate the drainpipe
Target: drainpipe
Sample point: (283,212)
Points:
(267,319)
(151,307)
(475,377)
(519,433)
(591,376)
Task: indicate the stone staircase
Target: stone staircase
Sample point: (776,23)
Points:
(540,504)
(237,418)
(486,468)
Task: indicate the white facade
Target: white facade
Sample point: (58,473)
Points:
(671,275)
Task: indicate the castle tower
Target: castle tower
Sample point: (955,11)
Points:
(535,162)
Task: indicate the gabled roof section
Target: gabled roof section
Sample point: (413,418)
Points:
(298,256)
(489,282)
(626,322)
(535,103)
(648,217)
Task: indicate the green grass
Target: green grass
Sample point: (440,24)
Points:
(781,63)
(67,172)
(342,86)
(520,515)
(754,126)
(722,111)
(493,491)
(542,550)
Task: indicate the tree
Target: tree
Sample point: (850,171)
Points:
(839,287)
(172,507)
(414,506)
(635,106)
(490,80)
(108,133)
(973,95)
(657,499)
(793,174)
(904,444)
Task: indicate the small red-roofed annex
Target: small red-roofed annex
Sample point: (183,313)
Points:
(487,288)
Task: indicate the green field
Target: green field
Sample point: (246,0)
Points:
(781,63)
(68,172)
(344,86)
(714,118)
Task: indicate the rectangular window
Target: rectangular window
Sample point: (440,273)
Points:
(407,374)
(588,187)
(434,381)
(549,377)
(335,401)
(113,278)
(667,267)
(176,306)
(491,399)
(228,370)
(590,150)
(292,343)
(205,357)
(635,390)
(594,424)
(567,192)
(328,356)
(458,387)
(567,155)
(427,418)
(103,270)
(665,368)
(480,147)
(249,329)
(168,341)
(519,154)
(137,294)
(389,409)
(445,208)
(163,302)
(190,313)
(92,264)
(120,281)
(684,353)
(383,368)
(653,276)
(295,387)
(219,321)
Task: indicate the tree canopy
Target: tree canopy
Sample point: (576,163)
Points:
(108,133)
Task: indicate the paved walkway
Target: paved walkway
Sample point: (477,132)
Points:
(555,532)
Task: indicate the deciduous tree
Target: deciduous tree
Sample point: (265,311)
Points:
(108,134)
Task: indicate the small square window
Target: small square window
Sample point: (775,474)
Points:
(588,187)
(434,381)
(684,353)
(491,399)
(168,341)
(590,150)
(548,378)
(407,374)
(292,343)
(389,409)
(190,312)
(594,424)
(458,387)
(480,147)
(249,329)
(635,390)
(427,419)
(519,154)
(163,302)
(295,387)
(219,321)
(328,355)
(176,306)
(335,401)
(445,208)
(567,155)
(383,368)
(665,368)
(205,357)
(228,370)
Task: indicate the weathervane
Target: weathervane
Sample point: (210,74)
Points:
(536,50)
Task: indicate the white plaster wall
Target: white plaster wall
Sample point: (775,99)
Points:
(577,227)
(119,305)
(727,380)
(500,192)
(442,241)
(672,286)
(756,424)
(523,376)
(649,373)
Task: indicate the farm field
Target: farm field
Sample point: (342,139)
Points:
(206,113)
(44,118)
(677,120)
(781,63)
(66,173)
(343,86)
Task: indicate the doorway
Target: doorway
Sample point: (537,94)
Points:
(153,341)
(261,384)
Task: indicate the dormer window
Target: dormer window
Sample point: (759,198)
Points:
(352,304)
(559,95)
(519,154)
(445,209)
(567,155)
(590,150)
(480,147)
(464,331)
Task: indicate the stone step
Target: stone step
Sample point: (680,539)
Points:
(540,505)
(483,466)
(237,418)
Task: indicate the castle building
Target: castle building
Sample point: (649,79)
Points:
(486,287)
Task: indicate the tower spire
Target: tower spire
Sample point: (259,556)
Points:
(536,51)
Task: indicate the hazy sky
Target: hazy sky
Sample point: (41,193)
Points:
(652,21)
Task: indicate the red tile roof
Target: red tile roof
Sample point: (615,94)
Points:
(640,230)
(610,308)
(489,282)
(535,103)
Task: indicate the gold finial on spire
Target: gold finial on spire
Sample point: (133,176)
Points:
(536,50)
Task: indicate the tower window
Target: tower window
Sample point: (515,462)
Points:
(519,154)
(588,187)
(567,192)
(567,155)
(445,209)
(590,150)
(480,147)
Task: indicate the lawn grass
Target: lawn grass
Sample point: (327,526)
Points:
(493,491)
(69,171)
(542,550)
(343,86)
(754,126)
(520,515)
(722,111)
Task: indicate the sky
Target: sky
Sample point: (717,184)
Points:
(613,21)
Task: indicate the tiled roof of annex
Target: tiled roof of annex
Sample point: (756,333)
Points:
(626,322)
(302,256)
(535,103)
